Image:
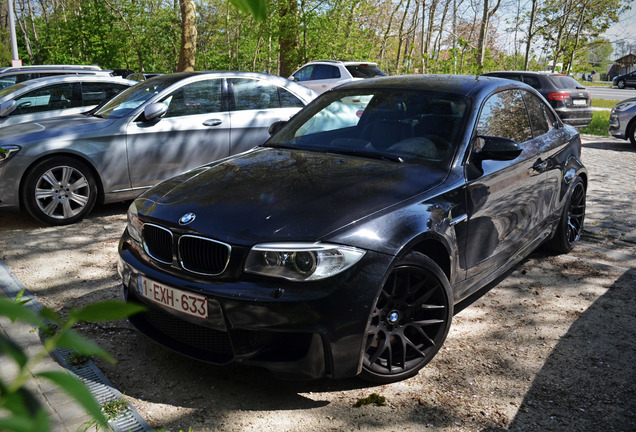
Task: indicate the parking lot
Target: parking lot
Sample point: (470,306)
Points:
(550,347)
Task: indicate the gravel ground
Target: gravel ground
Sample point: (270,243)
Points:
(552,347)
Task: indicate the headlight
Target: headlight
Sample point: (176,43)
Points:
(6,151)
(301,261)
(624,105)
(134,224)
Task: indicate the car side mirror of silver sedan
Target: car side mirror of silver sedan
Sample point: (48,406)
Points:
(7,108)
(497,148)
(154,111)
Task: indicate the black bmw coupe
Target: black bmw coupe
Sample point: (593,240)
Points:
(340,246)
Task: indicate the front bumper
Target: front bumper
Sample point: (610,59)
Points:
(295,330)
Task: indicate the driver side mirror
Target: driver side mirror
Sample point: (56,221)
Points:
(497,148)
(154,111)
(7,108)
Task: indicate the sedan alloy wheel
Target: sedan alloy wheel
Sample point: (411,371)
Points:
(60,191)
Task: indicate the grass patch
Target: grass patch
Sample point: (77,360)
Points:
(599,124)
(604,103)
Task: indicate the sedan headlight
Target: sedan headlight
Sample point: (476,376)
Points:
(134,224)
(622,106)
(301,261)
(6,151)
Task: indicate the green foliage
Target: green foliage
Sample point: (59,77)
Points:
(24,412)
(599,124)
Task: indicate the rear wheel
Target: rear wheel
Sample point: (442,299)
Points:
(59,191)
(571,224)
(410,320)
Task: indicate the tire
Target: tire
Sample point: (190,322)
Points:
(631,133)
(571,224)
(409,322)
(59,191)
(620,84)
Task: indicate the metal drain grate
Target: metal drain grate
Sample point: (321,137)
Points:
(103,391)
(100,387)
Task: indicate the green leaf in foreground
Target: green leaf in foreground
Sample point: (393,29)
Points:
(105,311)
(71,339)
(257,8)
(10,348)
(15,311)
(75,388)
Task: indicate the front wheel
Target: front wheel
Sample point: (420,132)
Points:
(59,191)
(621,84)
(409,322)
(571,224)
(631,132)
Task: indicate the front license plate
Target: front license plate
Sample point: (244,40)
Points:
(173,298)
(579,102)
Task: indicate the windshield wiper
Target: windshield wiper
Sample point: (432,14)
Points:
(368,154)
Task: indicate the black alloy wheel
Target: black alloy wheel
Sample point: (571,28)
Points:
(410,320)
(571,224)
(59,191)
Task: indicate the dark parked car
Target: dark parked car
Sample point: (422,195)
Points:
(341,245)
(625,80)
(569,99)
(154,130)
(623,120)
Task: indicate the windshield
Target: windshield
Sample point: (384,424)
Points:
(133,97)
(11,89)
(405,126)
(364,71)
(565,82)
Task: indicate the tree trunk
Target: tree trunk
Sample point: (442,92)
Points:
(483,32)
(533,14)
(288,37)
(187,52)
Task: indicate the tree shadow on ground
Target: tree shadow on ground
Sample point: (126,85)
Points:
(588,383)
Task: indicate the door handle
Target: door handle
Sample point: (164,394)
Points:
(212,122)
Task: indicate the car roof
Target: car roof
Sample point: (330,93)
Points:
(56,67)
(343,62)
(468,85)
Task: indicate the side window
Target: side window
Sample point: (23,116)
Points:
(251,94)
(304,74)
(199,97)
(49,98)
(504,115)
(538,113)
(93,93)
(532,81)
(326,72)
(288,100)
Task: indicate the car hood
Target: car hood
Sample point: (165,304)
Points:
(284,195)
(54,127)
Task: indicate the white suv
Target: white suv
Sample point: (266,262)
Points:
(321,75)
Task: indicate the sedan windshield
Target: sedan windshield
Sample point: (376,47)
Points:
(133,97)
(399,125)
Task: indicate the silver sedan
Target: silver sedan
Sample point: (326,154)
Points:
(42,98)
(623,120)
(58,169)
